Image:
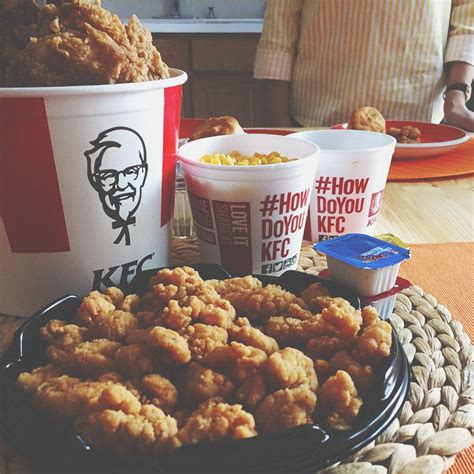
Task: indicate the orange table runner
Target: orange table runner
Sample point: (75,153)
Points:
(459,161)
(445,271)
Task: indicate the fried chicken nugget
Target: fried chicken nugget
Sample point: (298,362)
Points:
(292,331)
(129,435)
(214,420)
(174,316)
(88,359)
(30,381)
(345,318)
(370,316)
(178,277)
(290,368)
(261,303)
(285,409)
(93,305)
(166,343)
(313,291)
(202,383)
(373,346)
(131,303)
(253,337)
(325,347)
(69,397)
(133,361)
(252,391)
(238,359)
(339,400)
(244,284)
(114,326)
(298,310)
(202,339)
(116,296)
(362,375)
(63,335)
(158,391)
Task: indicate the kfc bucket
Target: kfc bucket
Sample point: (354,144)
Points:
(86,186)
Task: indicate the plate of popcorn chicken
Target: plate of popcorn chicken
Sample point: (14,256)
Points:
(190,370)
(414,139)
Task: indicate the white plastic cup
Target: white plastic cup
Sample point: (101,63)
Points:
(86,187)
(349,182)
(250,219)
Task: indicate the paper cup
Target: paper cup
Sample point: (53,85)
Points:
(250,219)
(86,187)
(349,183)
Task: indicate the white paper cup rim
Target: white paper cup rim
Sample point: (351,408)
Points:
(386,142)
(313,150)
(177,78)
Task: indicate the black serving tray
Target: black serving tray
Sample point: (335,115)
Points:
(55,447)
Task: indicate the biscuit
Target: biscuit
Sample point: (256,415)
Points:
(215,126)
(367,118)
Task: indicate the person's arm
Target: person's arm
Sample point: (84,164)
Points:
(459,59)
(275,57)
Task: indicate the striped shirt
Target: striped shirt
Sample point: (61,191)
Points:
(343,54)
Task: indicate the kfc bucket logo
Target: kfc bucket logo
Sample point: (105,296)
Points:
(117,170)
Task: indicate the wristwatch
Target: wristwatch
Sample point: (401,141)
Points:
(459,86)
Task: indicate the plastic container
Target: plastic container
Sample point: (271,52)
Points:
(183,226)
(349,182)
(86,186)
(250,219)
(363,263)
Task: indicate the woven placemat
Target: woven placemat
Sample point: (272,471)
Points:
(437,421)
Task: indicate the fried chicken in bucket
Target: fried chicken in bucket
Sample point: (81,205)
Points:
(134,387)
(77,42)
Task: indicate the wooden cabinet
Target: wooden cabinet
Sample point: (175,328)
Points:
(220,74)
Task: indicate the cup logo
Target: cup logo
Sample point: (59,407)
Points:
(117,170)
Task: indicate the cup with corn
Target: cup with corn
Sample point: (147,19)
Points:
(249,196)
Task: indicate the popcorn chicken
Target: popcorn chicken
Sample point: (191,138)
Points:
(63,335)
(174,316)
(325,347)
(370,316)
(252,391)
(373,346)
(129,435)
(339,401)
(245,284)
(310,294)
(290,368)
(93,305)
(116,296)
(88,359)
(133,360)
(214,420)
(30,381)
(286,408)
(346,319)
(158,391)
(114,326)
(362,375)
(253,337)
(202,339)
(202,383)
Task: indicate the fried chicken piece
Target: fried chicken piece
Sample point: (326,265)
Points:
(370,316)
(245,284)
(253,337)
(114,326)
(298,311)
(212,309)
(93,305)
(214,420)
(367,118)
(202,339)
(88,359)
(285,409)
(116,296)
(129,435)
(313,291)
(339,401)
(262,303)
(252,391)
(202,383)
(166,343)
(373,346)
(362,375)
(62,335)
(406,134)
(325,347)
(322,369)
(179,276)
(291,331)
(345,318)
(131,303)
(290,368)
(30,381)
(158,391)
(174,316)
(69,397)
(238,359)
(80,43)
(133,361)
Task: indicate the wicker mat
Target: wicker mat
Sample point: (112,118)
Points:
(438,419)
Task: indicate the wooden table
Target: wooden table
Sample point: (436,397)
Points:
(417,212)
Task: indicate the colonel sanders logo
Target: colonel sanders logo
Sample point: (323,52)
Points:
(117,170)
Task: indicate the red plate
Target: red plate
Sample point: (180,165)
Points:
(436,139)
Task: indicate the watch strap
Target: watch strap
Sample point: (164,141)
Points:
(459,86)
